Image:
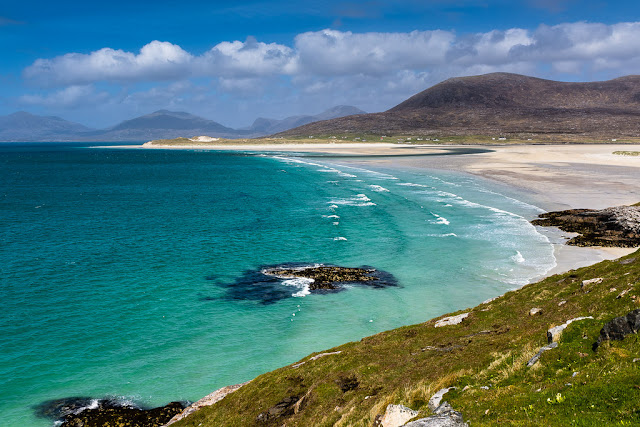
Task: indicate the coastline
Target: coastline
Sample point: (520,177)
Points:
(553,177)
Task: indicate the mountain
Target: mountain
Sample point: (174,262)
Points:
(503,103)
(265,126)
(164,124)
(161,124)
(23,126)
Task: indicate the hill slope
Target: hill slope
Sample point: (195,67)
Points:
(503,103)
(484,357)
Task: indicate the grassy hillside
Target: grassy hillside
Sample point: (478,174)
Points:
(484,357)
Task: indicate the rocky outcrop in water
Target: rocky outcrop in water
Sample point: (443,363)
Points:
(327,277)
(272,283)
(88,412)
(617,226)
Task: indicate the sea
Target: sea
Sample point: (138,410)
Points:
(136,275)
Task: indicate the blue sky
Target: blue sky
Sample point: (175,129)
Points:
(99,63)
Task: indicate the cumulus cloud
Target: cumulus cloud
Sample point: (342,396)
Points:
(566,48)
(246,59)
(155,61)
(324,68)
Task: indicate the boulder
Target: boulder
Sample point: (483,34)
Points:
(445,416)
(554,333)
(397,415)
(434,401)
(535,311)
(451,320)
(619,328)
(208,400)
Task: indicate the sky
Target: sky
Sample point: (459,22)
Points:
(98,63)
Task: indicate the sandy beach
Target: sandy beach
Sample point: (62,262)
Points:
(554,177)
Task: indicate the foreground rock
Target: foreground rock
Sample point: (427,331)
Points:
(87,412)
(329,277)
(619,328)
(618,226)
(208,400)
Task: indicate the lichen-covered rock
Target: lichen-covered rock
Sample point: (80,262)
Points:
(451,320)
(619,328)
(554,333)
(208,400)
(617,226)
(535,358)
(444,416)
(397,415)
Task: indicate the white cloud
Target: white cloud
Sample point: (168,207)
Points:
(245,59)
(331,52)
(373,71)
(565,47)
(69,97)
(155,61)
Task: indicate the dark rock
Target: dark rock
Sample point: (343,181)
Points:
(347,383)
(619,328)
(283,408)
(327,277)
(88,412)
(618,226)
(267,284)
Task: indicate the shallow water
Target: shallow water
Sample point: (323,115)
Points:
(117,266)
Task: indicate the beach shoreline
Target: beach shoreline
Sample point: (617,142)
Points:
(553,177)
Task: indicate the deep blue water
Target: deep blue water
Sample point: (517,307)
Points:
(133,273)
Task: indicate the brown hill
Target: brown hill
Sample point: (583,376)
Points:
(503,103)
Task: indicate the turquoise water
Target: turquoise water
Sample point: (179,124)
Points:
(127,273)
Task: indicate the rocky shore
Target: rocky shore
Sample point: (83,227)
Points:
(616,227)
(88,412)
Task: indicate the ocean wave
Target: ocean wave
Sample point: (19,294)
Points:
(302,283)
(339,238)
(518,257)
(357,200)
(378,188)
(440,219)
(330,216)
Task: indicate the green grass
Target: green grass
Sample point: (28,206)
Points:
(627,153)
(490,348)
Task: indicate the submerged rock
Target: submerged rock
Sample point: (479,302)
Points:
(88,412)
(617,226)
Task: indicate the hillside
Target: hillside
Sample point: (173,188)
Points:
(485,357)
(503,104)
(264,126)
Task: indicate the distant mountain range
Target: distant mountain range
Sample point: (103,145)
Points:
(502,103)
(23,126)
